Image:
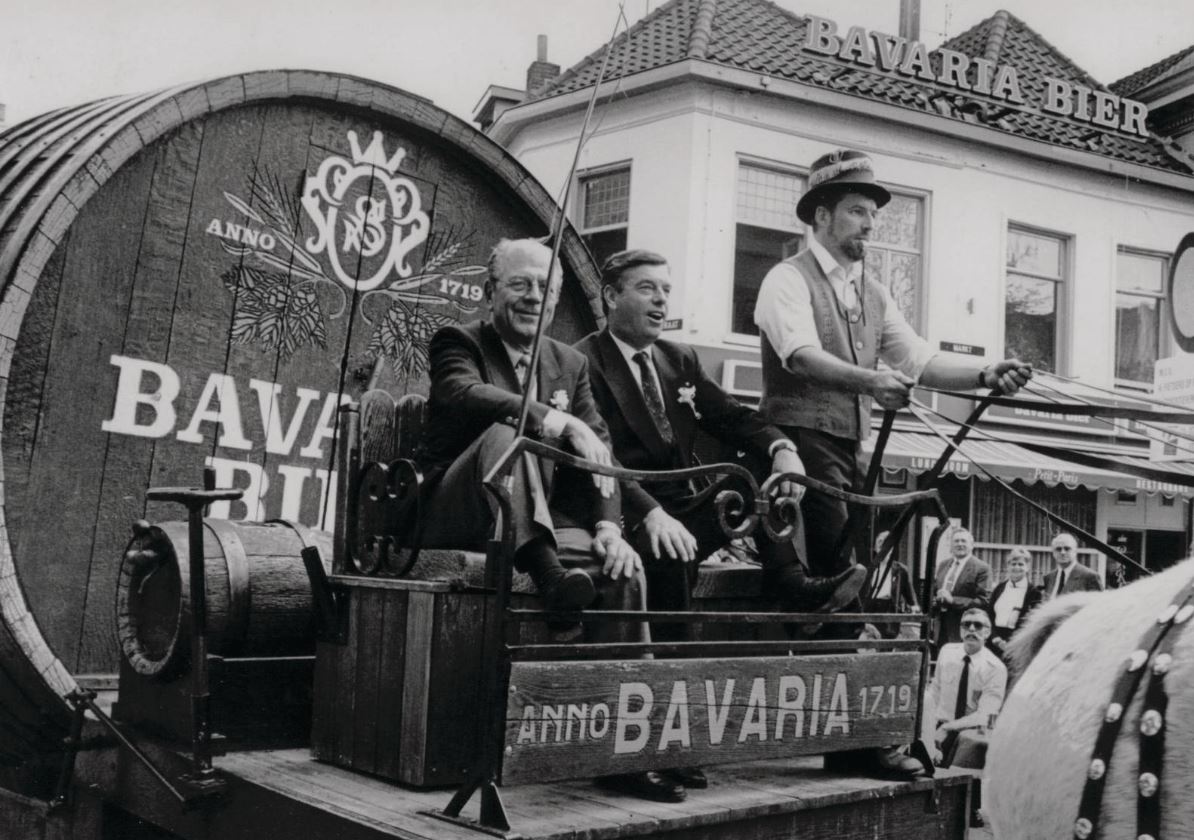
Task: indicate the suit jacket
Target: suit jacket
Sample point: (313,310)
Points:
(971,589)
(638,444)
(1077,579)
(903,594)
(473,386)
(1032,599)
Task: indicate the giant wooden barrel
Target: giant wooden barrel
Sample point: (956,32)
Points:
(259,599)
(197,277)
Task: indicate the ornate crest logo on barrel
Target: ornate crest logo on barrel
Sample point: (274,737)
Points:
(216,284)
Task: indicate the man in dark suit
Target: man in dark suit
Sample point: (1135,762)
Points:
(963,582)
(655,397)
(566,524)
(1068,574)
(1012,601)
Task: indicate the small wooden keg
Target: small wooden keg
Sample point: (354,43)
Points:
(258,594)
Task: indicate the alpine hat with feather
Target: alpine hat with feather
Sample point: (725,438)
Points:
(840,171)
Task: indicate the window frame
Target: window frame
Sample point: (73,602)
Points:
(1064,284)
(1164,334)
(802,230)
(578,198)
(921,323)
(806,231)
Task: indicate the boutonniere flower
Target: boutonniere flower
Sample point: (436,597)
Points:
(559,400)
(687,396)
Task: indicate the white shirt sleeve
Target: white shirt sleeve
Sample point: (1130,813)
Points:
(554,422)
(990,701)
(784,312)
(900,347)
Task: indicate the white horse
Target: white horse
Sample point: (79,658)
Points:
(1069,654)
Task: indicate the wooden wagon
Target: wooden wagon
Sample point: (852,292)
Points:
(175,292)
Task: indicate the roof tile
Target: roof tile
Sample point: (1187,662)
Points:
(761,37)
(1130,84)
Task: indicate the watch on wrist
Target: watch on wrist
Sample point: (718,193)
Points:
(982,377)
(781,445)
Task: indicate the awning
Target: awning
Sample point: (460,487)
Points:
(918,452)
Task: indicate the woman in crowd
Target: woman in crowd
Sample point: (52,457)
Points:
(1012,600)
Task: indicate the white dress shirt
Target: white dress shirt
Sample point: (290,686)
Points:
(1010,603)
(784,313)
(629,353)
(986,686)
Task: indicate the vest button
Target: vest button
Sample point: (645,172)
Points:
(858,345)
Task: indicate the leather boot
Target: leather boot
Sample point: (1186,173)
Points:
(827,594)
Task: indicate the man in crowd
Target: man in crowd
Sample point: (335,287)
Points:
(966,692)
(1012,601)
(655,397)
(963,581)
(1068,574)
(825,326)
(567,535)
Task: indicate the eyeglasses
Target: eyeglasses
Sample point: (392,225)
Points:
(975,625)
(522,285)
(1063,548)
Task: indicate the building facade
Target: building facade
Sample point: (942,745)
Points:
(1034,214)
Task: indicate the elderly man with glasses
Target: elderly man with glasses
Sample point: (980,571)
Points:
(1068,574)
(566,524)
(567,532)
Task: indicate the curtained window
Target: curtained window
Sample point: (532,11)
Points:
(1139,308)
(1035,282)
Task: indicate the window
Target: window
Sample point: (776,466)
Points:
(1139,290)
(605,212)
(767,232)
(1035,280)
(893,256)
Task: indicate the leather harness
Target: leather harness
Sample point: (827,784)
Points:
(1156,651)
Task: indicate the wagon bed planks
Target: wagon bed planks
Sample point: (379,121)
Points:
(755,800)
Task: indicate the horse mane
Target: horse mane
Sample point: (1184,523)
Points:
(1039,626)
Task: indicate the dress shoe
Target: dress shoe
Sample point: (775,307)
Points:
(645,785)
(690,777)
(896,762)
(571,590)
(830,594)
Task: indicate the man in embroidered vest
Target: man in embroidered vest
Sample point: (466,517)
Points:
(825,327)
(655,396)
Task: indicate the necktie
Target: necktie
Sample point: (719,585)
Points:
(1060,582)
(539,509)
(952,578)
(653,398)
(520,370)
(963,689)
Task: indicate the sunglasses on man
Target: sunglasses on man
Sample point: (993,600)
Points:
(975,625)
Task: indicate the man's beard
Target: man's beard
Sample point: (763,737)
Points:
(853,248)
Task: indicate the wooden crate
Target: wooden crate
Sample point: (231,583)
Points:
(400,698)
